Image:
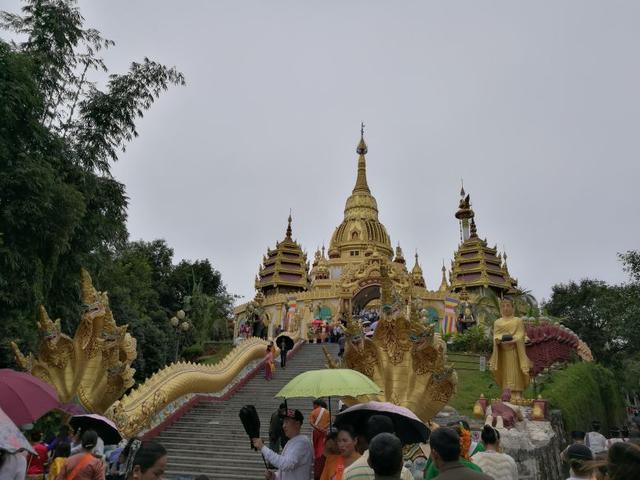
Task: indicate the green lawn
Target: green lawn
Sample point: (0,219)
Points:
(471,383)
(222,349)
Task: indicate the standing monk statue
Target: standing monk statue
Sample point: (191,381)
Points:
(509,362)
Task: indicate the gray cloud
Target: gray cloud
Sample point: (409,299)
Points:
(535,104)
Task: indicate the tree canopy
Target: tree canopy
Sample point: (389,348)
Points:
(606,317)
(60,207)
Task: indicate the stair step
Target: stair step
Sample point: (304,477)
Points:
(210,440)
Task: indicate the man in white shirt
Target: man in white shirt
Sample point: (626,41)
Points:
(296,460)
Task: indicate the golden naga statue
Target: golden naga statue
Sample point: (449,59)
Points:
(404,357)
(93,368)
(509,362)
(136,411)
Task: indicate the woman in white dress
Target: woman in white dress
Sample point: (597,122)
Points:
(498,465)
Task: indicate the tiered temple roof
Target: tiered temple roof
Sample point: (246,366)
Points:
(284,269)
(476,265)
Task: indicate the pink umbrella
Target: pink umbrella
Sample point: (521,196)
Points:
(25,398)
(104,427)
(408,427)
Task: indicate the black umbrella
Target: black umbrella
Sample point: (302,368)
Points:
(104,427)
(408,427)
(288,341)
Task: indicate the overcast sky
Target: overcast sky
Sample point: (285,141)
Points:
(534,104)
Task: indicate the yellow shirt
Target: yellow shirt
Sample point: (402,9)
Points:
(56,466)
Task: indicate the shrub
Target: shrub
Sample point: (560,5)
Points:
(585,392)
(193,352)
(473,340)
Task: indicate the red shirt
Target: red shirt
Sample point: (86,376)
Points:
(36,462)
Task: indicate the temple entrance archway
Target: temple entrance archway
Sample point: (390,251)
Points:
(363,297)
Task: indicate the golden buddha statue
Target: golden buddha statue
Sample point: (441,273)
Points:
(509,362)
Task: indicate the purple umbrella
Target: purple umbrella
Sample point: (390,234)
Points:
(11,438)
(25,398)
(104,427)
(408,427)
(72,409)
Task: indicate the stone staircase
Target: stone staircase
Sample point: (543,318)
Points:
(210,439)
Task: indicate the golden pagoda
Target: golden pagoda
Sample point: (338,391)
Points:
(347,277)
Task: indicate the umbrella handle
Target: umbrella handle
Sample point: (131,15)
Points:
(264,461)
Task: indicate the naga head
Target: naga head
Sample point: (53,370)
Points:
(49,330)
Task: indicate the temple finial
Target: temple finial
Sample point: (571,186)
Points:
(362,146)
(289,225)
(462,192)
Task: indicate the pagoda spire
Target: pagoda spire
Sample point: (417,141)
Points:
(416,274)
(474,229)
(465,215)
(362,149)
(444,285)
(289,226)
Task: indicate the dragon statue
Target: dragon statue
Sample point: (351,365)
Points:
(94,367)
(94,370)
(135,411)
(404,357)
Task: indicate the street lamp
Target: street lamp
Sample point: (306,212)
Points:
(181,326)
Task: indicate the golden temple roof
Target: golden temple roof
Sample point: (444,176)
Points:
(320,270)
(399,258)
(285,268)
(475,264)
(361,227)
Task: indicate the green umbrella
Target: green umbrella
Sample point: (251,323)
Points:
(327,383)
(331,381)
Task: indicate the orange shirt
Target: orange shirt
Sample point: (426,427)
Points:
(335,466)
(93,470)
(323,422)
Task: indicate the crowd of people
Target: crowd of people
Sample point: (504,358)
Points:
(81,456)
(341,453)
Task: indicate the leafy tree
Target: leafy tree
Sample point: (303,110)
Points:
(488,305)
(605,316)
(59,134)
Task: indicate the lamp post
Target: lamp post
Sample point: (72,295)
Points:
(181,326)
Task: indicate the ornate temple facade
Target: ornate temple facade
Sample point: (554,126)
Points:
(345,279)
